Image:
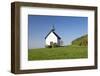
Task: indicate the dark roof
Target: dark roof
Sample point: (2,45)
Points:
(54,33)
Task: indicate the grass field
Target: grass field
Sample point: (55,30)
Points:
(69,52)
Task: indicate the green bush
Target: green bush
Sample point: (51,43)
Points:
(52,45)
(48,46)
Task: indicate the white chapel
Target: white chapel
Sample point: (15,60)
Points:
(52,37)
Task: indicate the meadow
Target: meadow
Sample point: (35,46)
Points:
(67,52)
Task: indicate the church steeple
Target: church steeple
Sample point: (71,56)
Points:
(53,28)
(52,31)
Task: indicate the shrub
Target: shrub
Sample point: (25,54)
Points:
(54,45)
(48,46)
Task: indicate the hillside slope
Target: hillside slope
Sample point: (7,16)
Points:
(81,41)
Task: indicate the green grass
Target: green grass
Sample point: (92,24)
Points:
(69,52)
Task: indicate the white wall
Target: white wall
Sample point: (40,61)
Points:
(5,50)
(51,38)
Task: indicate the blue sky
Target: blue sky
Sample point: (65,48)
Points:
(67,27)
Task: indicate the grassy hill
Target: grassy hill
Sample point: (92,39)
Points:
(77,50)
(69,52)
(82,41)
